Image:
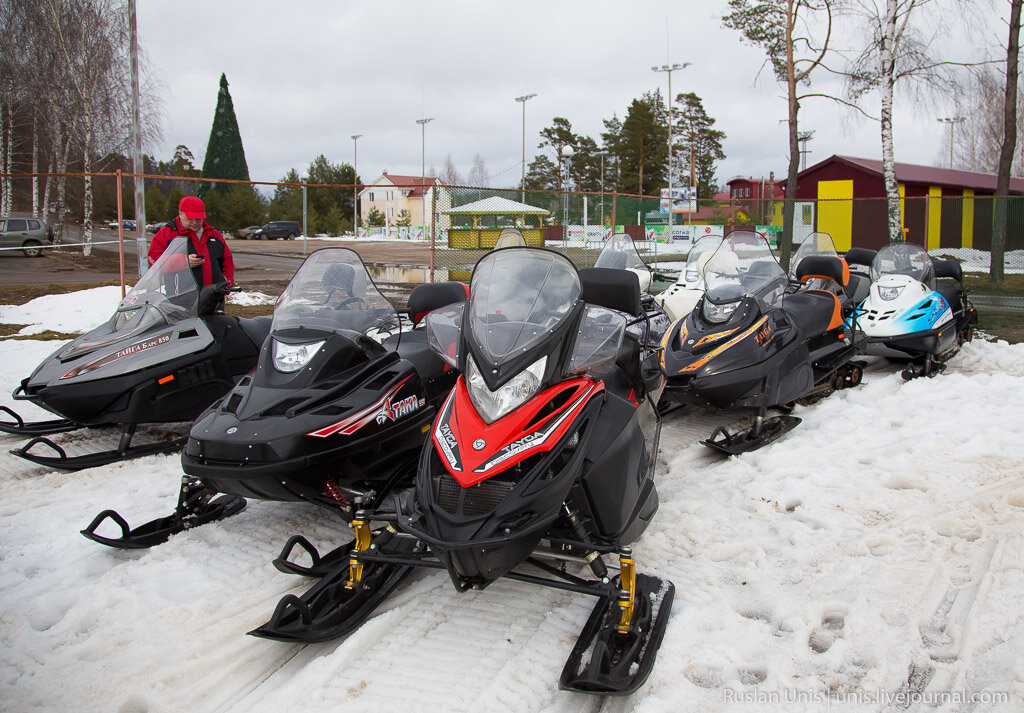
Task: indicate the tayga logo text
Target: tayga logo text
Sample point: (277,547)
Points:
(142,346)
(119,354)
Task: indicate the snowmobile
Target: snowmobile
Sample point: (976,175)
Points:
(681,297)
(751,343)
(163,356)
(620,253)
(541,457)
(917,309)
(334,413)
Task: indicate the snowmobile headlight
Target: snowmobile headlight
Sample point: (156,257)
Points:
(292,357)
(691,275)
(889,293)
(492,405)
(718,313)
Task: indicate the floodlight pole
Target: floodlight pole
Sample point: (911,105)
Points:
(137,162)
(952,121)
(523,99)
(423,167)
(668,69)
(355,186)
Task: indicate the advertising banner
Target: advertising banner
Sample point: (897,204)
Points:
(683,200)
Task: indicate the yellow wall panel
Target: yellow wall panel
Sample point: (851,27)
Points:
(835,215)
(934,217)
(967,227)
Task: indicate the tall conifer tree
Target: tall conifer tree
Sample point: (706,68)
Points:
(225,157)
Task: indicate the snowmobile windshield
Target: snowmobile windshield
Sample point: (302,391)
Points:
(333,292)
(742,266)
(518,297)
(620,253)
(699,254)
(165,295)
(814,244)
(904,259)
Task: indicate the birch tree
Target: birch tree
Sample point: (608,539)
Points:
(898,51)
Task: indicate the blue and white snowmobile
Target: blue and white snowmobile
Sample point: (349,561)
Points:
(917,309)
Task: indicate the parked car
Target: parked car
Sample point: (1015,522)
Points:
(126,224)
(275,229)
(29,234)
(246,233)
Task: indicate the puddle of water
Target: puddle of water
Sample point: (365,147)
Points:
(411,273)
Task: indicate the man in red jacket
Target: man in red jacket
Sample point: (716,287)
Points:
(208,253)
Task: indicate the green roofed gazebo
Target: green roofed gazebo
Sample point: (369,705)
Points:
(477,237)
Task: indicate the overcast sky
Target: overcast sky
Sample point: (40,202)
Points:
(307,75)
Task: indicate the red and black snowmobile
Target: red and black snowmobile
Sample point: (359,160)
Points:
(539,464)
(334,413)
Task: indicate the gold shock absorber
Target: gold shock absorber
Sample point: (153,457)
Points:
(363,537)
(627,592)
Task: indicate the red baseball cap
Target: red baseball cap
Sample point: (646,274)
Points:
(192,207)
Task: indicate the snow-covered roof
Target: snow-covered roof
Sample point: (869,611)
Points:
(496,205)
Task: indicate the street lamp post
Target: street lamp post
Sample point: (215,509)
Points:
(522,100)
(668,69)
(305,180)
(423,168)
(567,152)
(355,187)
(952,121)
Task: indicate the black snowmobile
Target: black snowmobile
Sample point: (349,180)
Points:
(335,412)
(164,355)
(539,463)
(751,342)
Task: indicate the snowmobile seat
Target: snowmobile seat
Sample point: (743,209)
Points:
(257,328)
(614,289)
(860,256)
(825,267)
(814,311)
(948,268)
(430,296)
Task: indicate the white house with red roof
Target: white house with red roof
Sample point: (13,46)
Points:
(391,194)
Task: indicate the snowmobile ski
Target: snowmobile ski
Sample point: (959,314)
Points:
(196,506)
(19,427)
(341,601)
(124,451)
(751,438)
(620,657)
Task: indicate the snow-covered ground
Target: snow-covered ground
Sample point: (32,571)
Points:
(871,560)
